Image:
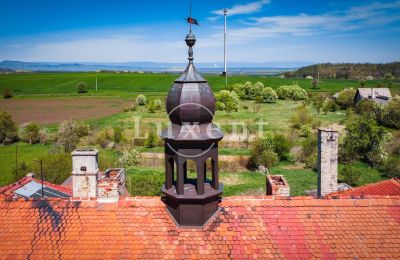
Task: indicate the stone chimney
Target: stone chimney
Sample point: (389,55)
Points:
(277,185)
(85,168)
(327,161)
(111,184)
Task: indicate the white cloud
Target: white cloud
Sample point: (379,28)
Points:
(248,8)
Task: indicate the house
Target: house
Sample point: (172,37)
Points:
(31,188)
(379,95)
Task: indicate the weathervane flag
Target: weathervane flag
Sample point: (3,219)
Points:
(192,21)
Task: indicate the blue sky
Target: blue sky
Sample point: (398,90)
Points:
(258,30)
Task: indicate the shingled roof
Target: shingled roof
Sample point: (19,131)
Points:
(245,227)
(387,187)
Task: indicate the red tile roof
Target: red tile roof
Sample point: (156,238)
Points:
(245,227)
(9,190)
(387,187)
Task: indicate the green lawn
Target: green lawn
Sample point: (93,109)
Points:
(152,84)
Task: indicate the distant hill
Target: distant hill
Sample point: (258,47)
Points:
(214,68)
(348,70)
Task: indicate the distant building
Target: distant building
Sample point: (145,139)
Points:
(379,95)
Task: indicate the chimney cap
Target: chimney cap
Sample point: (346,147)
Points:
(84,152)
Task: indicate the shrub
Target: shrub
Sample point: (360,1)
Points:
(393,146)
(350,175)
(82,87)
(117,135)
(281,145)
(308,154)
(391,114)
(220,106)
(245,107)
(268,150)
(229,99)
(81,129)
(369,109)
(68,135)
(301,116)
(151,140)
(141,100)
(362,83)
(364,139)
(7,93)
(30,132)
(314,84)
(129,158)
(151,107)
(8,128)
(268,159)
(391,167)
(318,102)
(330,106)
(346,98)
(294,92)
(267,95)
(103,138)
(305,130)
(158,104)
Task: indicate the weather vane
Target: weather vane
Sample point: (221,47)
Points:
(190,19)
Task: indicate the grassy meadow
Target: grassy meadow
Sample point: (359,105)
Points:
(49,98)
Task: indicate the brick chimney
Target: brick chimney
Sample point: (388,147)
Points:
(85,168)
(327,161)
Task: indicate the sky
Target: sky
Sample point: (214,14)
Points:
(258,30)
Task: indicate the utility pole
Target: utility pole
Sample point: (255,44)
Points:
(41,175)
(225,69)
(96,81)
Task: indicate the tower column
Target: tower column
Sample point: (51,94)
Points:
(200,177)
(214,172)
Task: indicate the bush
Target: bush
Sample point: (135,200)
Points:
(141,100)
(305,130)
(393,146)
(129,158)
(314,84)
(8,128)
(362,83)
(281,145)
(346,98)
(330,106)
(391,167)
(301,116)
(364,139)
(267,95)
(350,175)
(369,109)
(294,92)
(7,93)
(158,104)
(308,154)
(318,102)
(391,114)
(268,150)
(268,159)
(103,138)
(82,87)
(220,106)
(68,135)
(151,140)
(151,107)
(229,99)
(30,132)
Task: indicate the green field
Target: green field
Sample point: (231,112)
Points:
(126,84)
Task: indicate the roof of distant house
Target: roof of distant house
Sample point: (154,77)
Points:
(29,187)
(245,227)
(380,95)
(384,188)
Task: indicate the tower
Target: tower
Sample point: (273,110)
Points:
(191,137)
(327,161)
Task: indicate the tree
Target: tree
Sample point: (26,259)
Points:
(30,132)
(318,102)
(68,135)
(301,116)
(129,158)
(141,100)
(151,140)
(364,139)
(82,87)
(151,107)
(294,92)
(7,93)
(346,98)
(314,84)
(8,128)
(267,151)
(391,114)
(158,104)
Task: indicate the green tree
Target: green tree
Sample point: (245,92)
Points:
(68,135)
(8,128)
(346,98)
(82,87)
(364,139)
(267,95)
(350,175)
(229,99)
(301,116)
(30,132)
(318,102)
(391,114)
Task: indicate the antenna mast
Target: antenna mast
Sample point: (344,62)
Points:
(225,69)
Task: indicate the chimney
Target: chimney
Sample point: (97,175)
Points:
(85,168)
(277,185)
(327,161)
(111,185)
